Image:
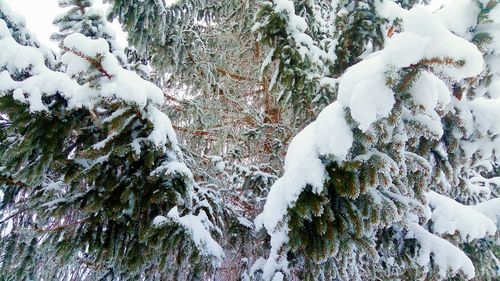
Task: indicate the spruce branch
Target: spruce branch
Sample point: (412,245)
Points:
(95,62)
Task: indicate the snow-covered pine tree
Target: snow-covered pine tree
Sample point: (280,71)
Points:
(314,42)
(232,129)
(356,200)
(172,32)
(469,168)
(81,17)
(397,179)
(93,179)
(303,45)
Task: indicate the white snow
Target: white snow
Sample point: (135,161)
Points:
(16,58)
(296,27)
(302,167)
(332,134)
(363,90)
(160,221)
(451,217)
(127,85)
(200,235)
(390,10)
(428,36)
(122,84)
(163,128)
(445,255)
(367,108)
(87,46)
(443,44)
(430,91)
(459,16)
(489,208)
(486,113)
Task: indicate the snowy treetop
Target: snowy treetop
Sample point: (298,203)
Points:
(116,82)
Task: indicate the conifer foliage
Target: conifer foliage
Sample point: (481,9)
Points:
(393,172)
(368,189)
(92,174)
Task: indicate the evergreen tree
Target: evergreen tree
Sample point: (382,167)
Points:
(397,177)
(314,42)
(93,178)
(472,150)
(220,105)
(356,199)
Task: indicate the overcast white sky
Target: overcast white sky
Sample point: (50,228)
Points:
(40,13)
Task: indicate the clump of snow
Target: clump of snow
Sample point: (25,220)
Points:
(390,10)
(490,208)
(459,16)
(168,3)
(86,46)
(302,167)
(116,83)
(296,27)
(371,99)
(363,88)
(430,91)
(487,113)
(332,133)
(445,255)
(15,58)
(451,217)
(426,35)
(175,167)
(160,221)
(494,89)
(328,135)
(163,128)
(443,44)
(127,85)
(200,235)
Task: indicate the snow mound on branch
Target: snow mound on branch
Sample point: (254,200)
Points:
(444,44)
(333,134)
(444,254)
(430,92)
(427,35)
(116,81)
(296,27)
(451,217)
(328,135)
(459,16)
(16,58)
(490,208)
(363,88)
(486,113)
(195,227)
(86,46)
(364,92)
